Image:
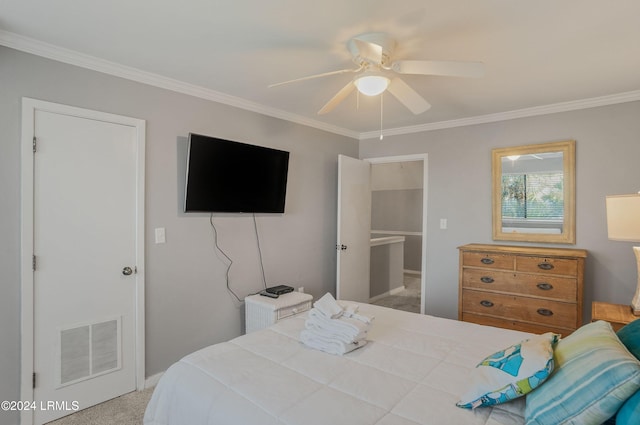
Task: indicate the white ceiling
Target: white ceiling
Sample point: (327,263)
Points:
(540,56)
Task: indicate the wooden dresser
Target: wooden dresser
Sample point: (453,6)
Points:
(530,289)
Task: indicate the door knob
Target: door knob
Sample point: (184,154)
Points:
(127,271)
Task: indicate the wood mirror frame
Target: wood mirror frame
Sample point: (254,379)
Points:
(567,229)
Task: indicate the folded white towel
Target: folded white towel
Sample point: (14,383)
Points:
(348,308)
(326,332)
(349,329)
(351,311)
(328,306)
(328,345)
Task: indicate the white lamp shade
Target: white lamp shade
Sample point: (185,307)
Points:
(623,217)
(372,85)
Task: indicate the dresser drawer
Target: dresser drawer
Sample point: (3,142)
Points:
(532,310)
(557,288)
(488,260)
(561,266)
(514,324)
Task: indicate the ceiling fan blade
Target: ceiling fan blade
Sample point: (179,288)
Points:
(408,96)
(368,51)
(339,97)
(444,68)
(310,77)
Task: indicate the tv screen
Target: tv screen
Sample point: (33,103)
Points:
(233,177)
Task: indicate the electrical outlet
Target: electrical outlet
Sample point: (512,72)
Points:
(443,223)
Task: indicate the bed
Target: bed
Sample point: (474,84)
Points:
(412,371)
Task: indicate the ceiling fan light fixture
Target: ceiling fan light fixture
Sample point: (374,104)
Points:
(372,85)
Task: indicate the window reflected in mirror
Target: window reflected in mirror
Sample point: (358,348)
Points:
(533,193)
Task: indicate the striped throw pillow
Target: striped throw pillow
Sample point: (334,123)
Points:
(594,375)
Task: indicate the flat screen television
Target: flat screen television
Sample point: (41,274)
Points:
(232,177)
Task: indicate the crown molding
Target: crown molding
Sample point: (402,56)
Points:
(50,51)
(573,105)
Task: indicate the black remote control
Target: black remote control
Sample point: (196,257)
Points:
(269,294)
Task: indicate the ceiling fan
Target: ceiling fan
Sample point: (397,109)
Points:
(376,72)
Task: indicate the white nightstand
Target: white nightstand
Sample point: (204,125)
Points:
(261,312)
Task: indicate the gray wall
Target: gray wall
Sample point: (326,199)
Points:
(400,210)
(386,267)
(459,171)
(396,204)
(187,305)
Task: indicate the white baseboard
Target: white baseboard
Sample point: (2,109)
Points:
(152,380)
(396,290)
(387,293)
(414,272)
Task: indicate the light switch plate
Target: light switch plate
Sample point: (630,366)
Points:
(160,235)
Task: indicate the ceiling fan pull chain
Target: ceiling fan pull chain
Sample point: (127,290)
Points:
(381,108)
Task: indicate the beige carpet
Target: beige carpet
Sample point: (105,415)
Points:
(407,299)
(124,410)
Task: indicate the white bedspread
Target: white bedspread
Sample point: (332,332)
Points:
(412,371)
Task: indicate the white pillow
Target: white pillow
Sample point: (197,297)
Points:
(511,373)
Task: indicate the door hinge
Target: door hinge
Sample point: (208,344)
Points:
(34,379)
(33,263)
(35,144)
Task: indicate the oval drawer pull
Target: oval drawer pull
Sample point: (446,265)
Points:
(487,279)
(545,312)
(545,266)
(486,303)
(487,261)
(545,286)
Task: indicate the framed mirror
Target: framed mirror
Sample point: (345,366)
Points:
(534,193)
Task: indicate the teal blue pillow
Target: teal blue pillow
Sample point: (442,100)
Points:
(630,337)
(629,413)
(594,376)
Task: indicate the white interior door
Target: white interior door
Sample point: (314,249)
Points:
(87,251)
(354,229)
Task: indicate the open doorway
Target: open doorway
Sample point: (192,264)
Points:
(353,242)
(398,200)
